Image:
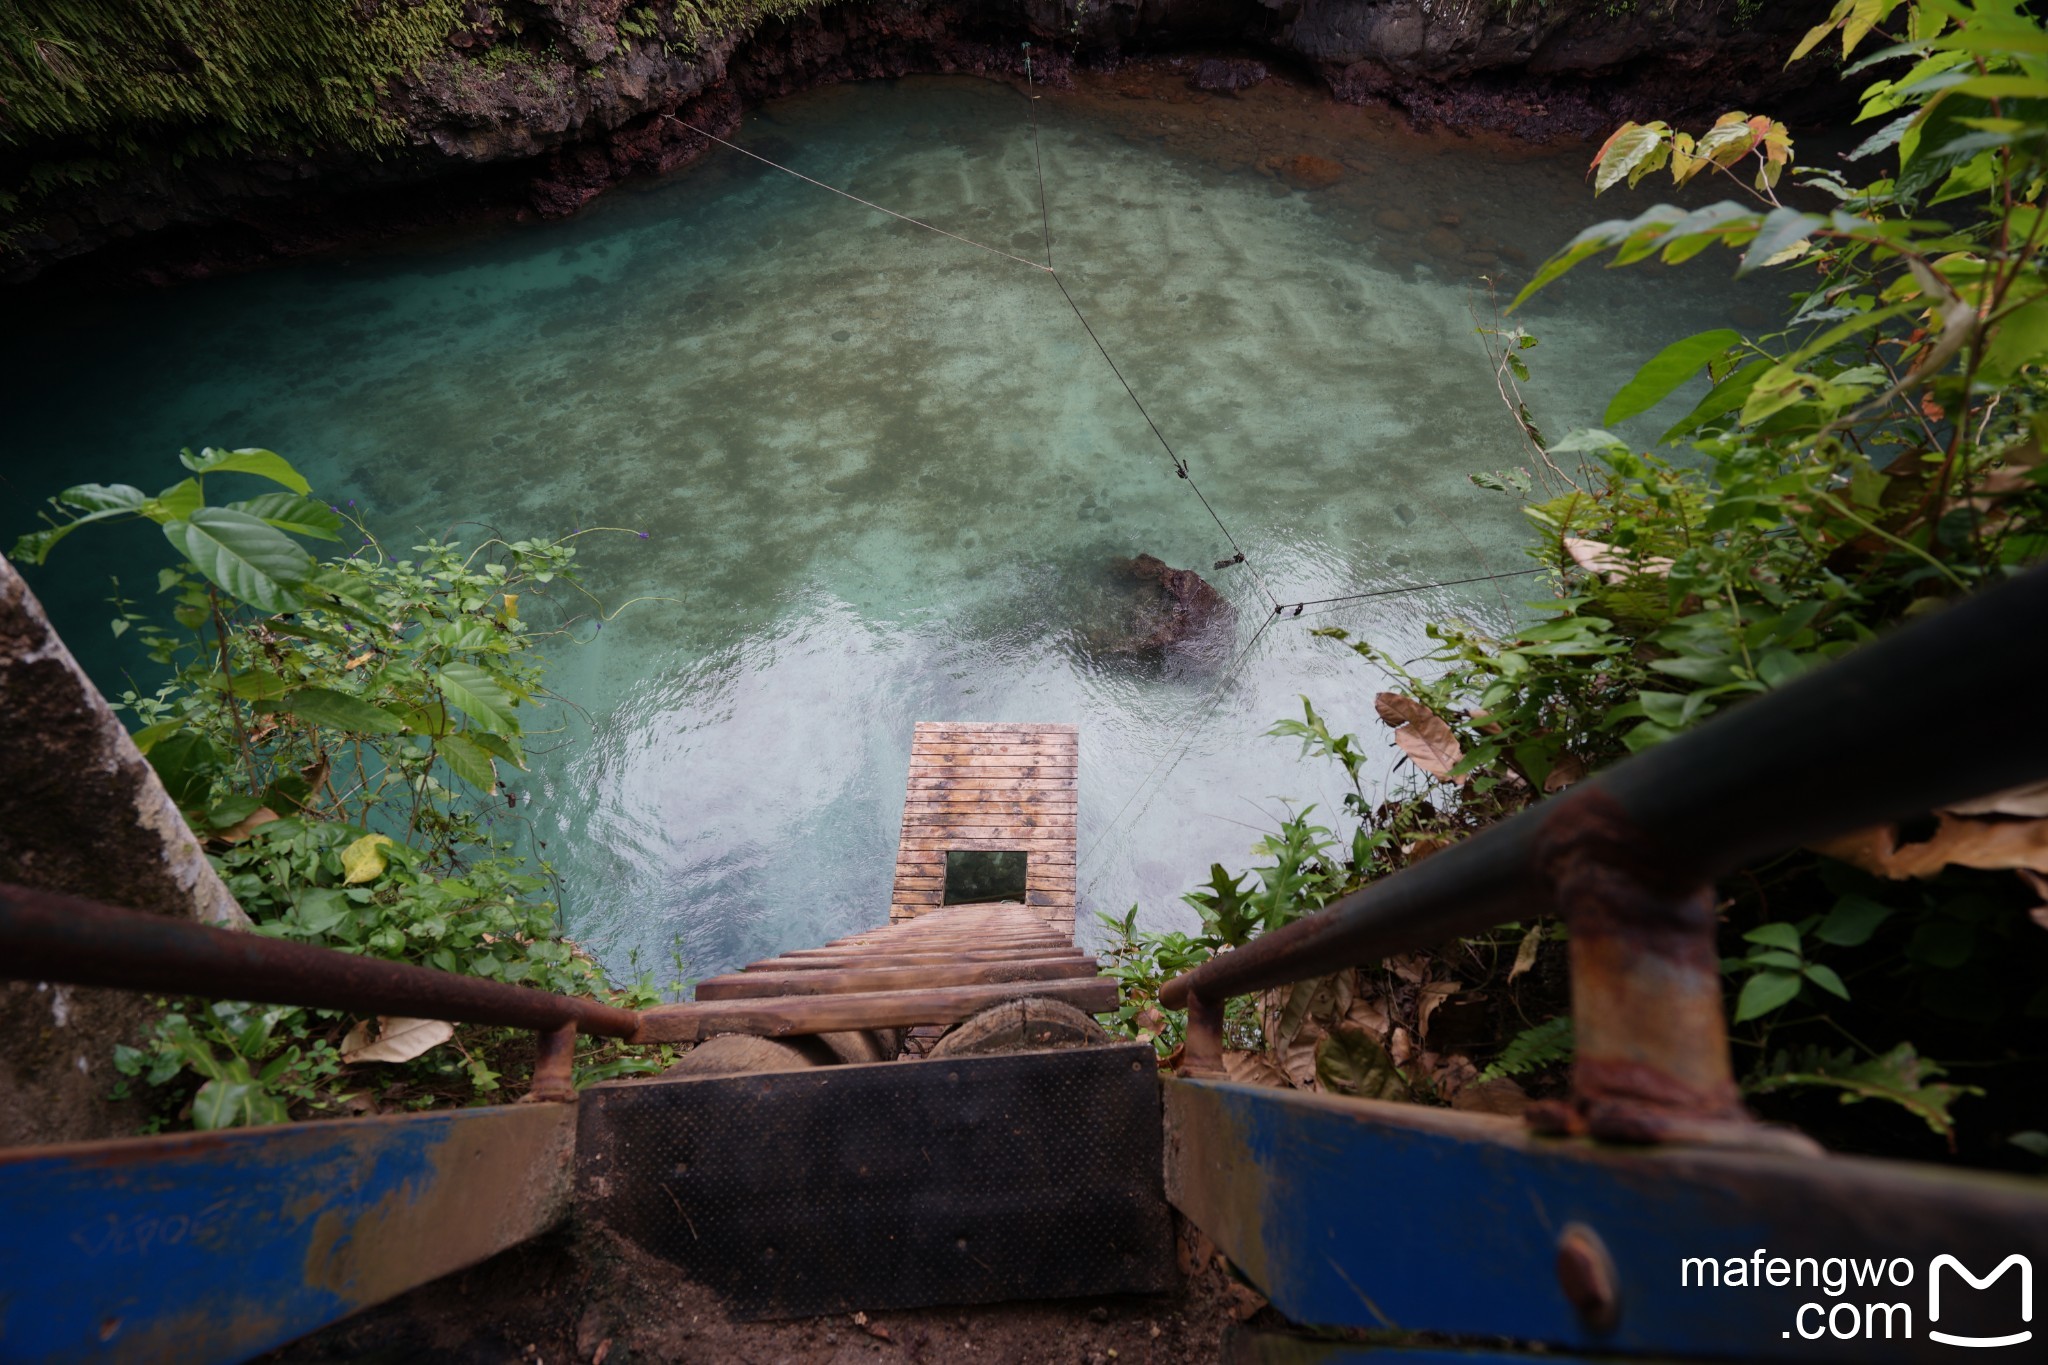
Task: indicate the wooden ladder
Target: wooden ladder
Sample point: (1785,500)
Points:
(941,968)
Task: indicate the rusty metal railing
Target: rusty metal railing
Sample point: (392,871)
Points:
(49,937)
(1629,858)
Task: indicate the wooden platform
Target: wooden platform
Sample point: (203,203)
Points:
(990,786)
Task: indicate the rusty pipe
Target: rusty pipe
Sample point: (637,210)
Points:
(554,1067)
(49,937)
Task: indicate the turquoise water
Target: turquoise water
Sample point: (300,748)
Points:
(885,475)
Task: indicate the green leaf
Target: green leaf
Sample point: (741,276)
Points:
(302,516)
(324,706)
(175,503)
(479,696)
(1350,1062)
(1766,991)
(267,464)
(252,561)
(1778,958)
(1666,370)
(467,761)
(1625,151)
(1782,229)
(1825,978)
(1900,1076)
(222,1104)
(1852,921)
(1774,936)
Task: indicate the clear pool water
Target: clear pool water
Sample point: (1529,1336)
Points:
(885,476)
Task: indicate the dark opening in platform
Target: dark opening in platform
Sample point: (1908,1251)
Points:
(979,875)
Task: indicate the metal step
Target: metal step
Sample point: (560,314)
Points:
(896,1185)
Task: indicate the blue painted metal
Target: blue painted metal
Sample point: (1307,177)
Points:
(219,1246)
(1399,1217)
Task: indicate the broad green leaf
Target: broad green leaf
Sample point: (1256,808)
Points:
(1825,978)
(500,746)
(1665,371)
(1774,936)
(302,516)
(1766,991)
(324,706)
(252,561)
(221,1104)
(467,761)
(363,860)
(319,910)
(1852,921)
(267,464)
(1901,1076)
(1782,229)
(479,696)
(175,503)
(103,497)
(1624,151)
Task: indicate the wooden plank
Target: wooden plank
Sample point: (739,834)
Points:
(786,1016)
(1024,786)
(854,980)
(963,749)
(972,815)
(836,961)
(976,763)
(1041,727)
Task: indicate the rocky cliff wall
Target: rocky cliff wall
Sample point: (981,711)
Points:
(535,106)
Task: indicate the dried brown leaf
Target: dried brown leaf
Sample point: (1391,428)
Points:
(395,1040)
(1959,840)
(1370,1014)
(1432,995)
(1597,556)
(1422,735)
(1254,1068)
(1498,1096)
(248,825)
(1525,953)
(1567,770)
(2031,800)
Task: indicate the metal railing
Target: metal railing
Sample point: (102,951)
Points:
(50,937)
(1629,858)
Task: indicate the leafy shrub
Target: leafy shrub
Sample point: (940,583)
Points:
(333,731)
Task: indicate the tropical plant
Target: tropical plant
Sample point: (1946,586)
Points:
(333,731)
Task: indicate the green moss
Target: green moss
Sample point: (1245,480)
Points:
(209,76)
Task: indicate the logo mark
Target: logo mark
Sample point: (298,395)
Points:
(2026,1298)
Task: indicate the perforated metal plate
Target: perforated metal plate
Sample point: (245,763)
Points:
(896,1185)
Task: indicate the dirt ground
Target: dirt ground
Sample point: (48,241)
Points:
(595,1299)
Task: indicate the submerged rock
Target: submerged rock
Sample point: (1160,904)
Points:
(1169,609)
(1227,75)
(1307,172)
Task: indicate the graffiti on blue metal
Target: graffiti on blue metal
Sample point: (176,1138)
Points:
(219,1246)
(1401,1218)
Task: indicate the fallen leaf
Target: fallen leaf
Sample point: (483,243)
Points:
(1254,1068)
(1596,556)
(1451,1074)
(1298,1059)
(1370,1014)
(1434,994)
(397,1040)
(246,826)
(364,860)
(1563,773)
(1401,1047)
(1349,1062)
(1525,954)
(1410,967)
(361,659)
(1961,840)
(2029,800)
(1423,847)
(1422,735)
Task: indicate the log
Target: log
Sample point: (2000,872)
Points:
(855,980)
(784,1016)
